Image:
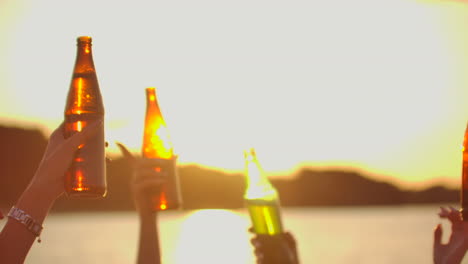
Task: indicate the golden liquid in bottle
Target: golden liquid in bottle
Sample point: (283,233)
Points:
(157,145)
(265,217)
(86,176)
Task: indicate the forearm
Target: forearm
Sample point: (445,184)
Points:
(148,248)
(15,239)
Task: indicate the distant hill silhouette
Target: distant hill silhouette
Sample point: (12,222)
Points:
(20,153)
(206,188)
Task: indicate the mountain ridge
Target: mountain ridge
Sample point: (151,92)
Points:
(202,187)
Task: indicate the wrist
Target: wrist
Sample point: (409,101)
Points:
(48,188)
(42,193)
(144,206)
(146,212)
(29,222)
(36,201)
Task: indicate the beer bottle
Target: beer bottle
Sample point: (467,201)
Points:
(261,198)
(464,187)
(262,201)
(157,145)
(86,176)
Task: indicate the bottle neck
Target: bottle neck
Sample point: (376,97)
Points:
(84,58)
(156,140)
(257,184)
(465,141)
(255,173)
(152,107)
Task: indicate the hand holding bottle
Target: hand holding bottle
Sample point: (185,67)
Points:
(157,145)
(146,184)
(47,184)
(146,181)
(280,248)
(455,249)
(272,244)
(86,177)
(49,177)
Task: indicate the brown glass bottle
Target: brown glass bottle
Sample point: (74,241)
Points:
(464,187)
(86,176)
(157,145)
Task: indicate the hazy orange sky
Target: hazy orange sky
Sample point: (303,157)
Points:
(379,86)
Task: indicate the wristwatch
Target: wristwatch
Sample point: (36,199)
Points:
(26,220)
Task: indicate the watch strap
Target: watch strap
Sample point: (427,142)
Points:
(25,219)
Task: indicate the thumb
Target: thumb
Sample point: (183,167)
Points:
(78,138)
(68,146)
(290,239)
(437,236)
(126,153)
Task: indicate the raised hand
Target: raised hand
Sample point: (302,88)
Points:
(277,249)
(454,250)
(145,183)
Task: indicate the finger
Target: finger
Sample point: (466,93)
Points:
(153,163)
(78,138)
(147,188)
(145,182)
(91,129)
(443,212)
(126,153)
(454,211)
(258,252)
(259,256)
(290,239)
(254,241)
(87,132)
(56,137)
(69,146)
(150,170)
(437,236)
(58,130)
(454,216)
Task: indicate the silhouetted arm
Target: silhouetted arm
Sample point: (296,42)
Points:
(146,184)
(144,188)
(280,249)
(148,244)
(15,239)
(45,187)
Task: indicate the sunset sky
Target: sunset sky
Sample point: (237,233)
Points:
(377,86)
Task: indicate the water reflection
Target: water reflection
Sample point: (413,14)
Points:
(332,235)
(214,236)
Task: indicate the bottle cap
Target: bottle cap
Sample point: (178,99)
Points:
(84,39)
